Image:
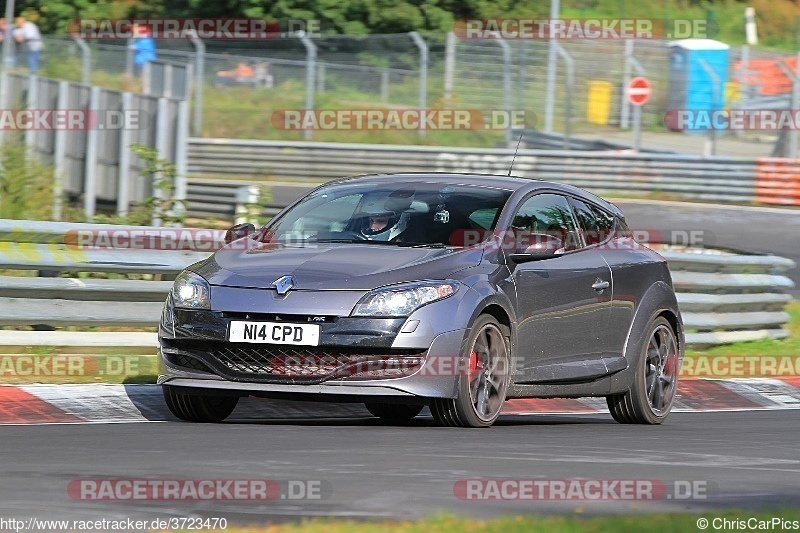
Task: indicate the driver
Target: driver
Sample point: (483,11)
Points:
(384,225)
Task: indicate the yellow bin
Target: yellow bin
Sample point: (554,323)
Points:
(598,106)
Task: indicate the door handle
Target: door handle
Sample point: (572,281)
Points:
(599,285)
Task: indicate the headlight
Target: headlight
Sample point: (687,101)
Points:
(190,291)
(402,300)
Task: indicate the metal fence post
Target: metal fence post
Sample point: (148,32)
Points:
(90,164)
(60,153)
(715,87)
(311,69)
(385,85)
(129,57)
(423,76)
(506,83)
(449,66)
(570,93)
(550,89)
(521,74)
(8,38)
(181,155)
(124,161)
(147,78)
(32,103)
(166,90)
(161,153)
(795,77)
(86,60)
(625,106)
(321,77)
(199,74)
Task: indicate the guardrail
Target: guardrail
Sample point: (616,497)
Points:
(725,297)
(765,180)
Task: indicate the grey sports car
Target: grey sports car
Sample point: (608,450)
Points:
(447,290)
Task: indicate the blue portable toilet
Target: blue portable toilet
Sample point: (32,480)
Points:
(691,87)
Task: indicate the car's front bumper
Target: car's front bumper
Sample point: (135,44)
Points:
(427,347)
(435,377)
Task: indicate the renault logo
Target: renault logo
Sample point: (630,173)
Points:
(284,284)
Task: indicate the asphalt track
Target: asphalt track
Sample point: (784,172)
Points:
(373,470)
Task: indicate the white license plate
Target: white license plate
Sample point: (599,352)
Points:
(274,333)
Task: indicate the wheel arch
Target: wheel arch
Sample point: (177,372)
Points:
(658,300)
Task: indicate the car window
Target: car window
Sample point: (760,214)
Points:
(333,215)
(393,212)
(595,224)
(484,218)
(550,214)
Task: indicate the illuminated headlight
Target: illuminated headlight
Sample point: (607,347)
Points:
(190,291)
(402,300)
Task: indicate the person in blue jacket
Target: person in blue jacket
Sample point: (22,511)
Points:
(144,47)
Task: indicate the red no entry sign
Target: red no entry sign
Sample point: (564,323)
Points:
(638,91)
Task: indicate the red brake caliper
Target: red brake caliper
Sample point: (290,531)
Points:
(474,364)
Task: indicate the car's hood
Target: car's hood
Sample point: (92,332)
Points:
(334,266)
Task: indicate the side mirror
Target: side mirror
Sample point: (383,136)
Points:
(238,231)
(543,246)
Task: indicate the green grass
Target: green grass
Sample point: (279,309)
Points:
(650,523)
(246,113)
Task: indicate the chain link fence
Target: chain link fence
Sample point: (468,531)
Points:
(237,85)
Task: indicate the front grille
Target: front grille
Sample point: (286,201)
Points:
(314,363)
(186,361)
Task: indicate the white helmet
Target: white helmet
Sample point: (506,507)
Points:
(394,209)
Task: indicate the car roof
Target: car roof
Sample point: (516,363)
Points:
(510,183)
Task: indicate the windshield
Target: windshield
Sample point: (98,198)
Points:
(403,214)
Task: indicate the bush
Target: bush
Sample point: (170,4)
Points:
(26,186)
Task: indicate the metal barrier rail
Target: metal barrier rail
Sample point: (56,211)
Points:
(724,297)
(766,180)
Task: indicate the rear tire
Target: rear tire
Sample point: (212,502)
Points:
(198,408)
(393,412)
(650,398)
(482,382)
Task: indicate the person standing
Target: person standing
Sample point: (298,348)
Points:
(28,33)
(144,47)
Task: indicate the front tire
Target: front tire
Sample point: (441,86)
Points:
(198,408)
(650,398)
(394,412)
(483,384)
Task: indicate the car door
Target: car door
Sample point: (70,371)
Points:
(597,228)
(562,302)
